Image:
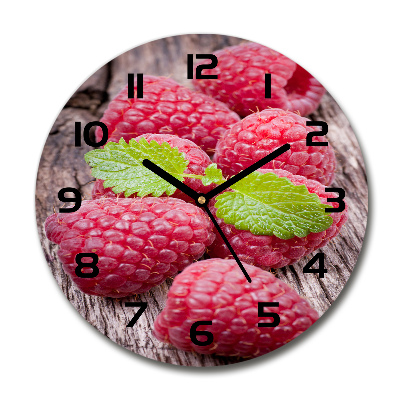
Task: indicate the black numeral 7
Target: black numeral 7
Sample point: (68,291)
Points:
(142,306)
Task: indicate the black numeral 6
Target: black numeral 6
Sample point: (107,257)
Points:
(193,334)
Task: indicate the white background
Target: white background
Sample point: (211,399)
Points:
(48,49)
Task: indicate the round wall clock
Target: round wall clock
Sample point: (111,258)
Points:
(201,200)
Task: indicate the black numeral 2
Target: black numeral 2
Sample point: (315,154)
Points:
(131,86)
(86,132)
(322,132)
(199,68)
(142,306)
(341,193)
(262,313)
(77,199)
(321,270)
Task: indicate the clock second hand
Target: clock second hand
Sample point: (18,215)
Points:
(227,243)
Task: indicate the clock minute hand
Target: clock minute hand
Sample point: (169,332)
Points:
(170,179)
(247,171)
(226,242)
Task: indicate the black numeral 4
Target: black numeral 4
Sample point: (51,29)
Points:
(86,134)
(199,68)
(142,306)
(321,270)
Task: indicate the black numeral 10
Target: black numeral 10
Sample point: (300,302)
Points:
(86,134)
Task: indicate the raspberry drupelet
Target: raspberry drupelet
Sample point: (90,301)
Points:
(269,252)
(139,242)
(216,290)
(260,133)
(198,162)
(240,85)
(167,107)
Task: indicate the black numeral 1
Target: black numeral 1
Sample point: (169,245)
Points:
(142,306)
(92,264)
(341,194)
(199,68)
(262,313)
(131,86)
(86,133)
(77,199)
(194,334)
(321,270)
(268,83)
(322,132)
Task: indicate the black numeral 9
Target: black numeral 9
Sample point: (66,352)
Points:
(199,68)
(77,199)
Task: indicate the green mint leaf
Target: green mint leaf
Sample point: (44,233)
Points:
(265,204)
(120,166)
(213,175)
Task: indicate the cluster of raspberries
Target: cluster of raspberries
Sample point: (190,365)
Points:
(140,242)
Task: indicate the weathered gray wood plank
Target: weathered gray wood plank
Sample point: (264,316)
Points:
(62,165)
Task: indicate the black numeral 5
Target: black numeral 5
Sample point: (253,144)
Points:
(262,313)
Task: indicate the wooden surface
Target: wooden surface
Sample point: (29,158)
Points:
(62,165)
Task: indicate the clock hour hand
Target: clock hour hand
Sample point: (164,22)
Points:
(247,171)
(227,243)
(171,179)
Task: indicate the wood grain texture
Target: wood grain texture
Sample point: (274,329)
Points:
(62,165)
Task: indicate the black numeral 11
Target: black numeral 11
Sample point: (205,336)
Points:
(131,86)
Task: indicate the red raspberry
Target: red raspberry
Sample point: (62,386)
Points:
(259,134)
(241,81)
(198,162)
(167,107)
(139,242)
(216,290)
(270,251)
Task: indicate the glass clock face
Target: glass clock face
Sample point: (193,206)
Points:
(201,200)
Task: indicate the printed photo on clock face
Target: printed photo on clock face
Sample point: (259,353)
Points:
(202,200)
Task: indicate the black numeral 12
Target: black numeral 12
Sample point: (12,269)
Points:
(199,68)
